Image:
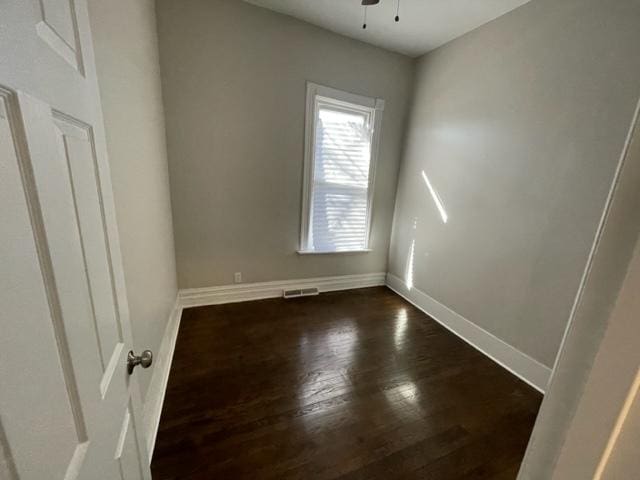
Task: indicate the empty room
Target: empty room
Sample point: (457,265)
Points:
(319,239)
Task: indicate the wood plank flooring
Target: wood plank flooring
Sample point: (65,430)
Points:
(347,385)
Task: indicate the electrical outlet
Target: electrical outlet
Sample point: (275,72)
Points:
(237,277)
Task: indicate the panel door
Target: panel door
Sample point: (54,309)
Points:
(68,406)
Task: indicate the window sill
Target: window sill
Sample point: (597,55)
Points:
(315,252)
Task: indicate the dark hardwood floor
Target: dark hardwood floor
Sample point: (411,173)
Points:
(347,385)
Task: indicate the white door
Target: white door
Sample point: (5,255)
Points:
(67,404)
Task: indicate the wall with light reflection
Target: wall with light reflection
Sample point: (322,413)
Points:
(511,148)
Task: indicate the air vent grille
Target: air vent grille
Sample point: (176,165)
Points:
(300,292)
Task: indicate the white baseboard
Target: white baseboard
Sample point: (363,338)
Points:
(526,368)
(159,378)
(195,297)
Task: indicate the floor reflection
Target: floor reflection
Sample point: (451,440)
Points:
(328,356)
(400,330)
(404,401)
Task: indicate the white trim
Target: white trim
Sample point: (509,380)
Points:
(521,365)
(613,188)
(319,252)
(375,106)
(195,297)
(159,379)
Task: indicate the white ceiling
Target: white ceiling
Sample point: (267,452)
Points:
(424,24)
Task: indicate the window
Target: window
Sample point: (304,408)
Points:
(341,141)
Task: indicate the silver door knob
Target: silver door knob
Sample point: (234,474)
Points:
(145,360)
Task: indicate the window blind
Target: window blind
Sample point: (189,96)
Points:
(341,168)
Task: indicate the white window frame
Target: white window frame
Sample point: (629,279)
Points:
(316,94)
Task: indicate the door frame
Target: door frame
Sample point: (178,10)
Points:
(566,442)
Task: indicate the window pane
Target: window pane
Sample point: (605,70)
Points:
(341,179)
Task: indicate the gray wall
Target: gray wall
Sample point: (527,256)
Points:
(126,48)
(519,126)
(233,80)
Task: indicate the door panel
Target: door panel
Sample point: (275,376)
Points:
(62,245)
(58,28)
(59,15)
(75,147)
(126,449)
(56,415)
(62,162)
(68,407)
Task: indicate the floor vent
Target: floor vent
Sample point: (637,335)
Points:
(300,292)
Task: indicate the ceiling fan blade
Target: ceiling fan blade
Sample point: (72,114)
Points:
(370,2)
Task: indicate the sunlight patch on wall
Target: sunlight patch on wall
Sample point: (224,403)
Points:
(436,198)
(408,277)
